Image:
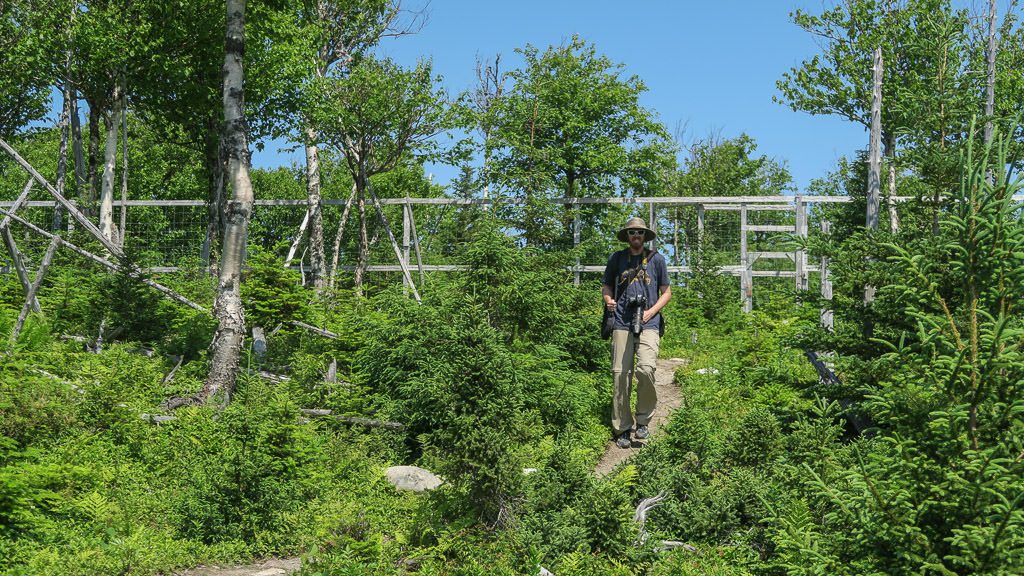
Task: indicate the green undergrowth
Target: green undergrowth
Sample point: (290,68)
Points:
(502,388)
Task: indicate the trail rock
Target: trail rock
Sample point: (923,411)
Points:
(412,478)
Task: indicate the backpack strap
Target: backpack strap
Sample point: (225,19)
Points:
(624,254)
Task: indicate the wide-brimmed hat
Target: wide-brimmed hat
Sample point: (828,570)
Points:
(636,224)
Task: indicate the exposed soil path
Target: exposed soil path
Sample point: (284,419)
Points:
(669,398)
(271,567)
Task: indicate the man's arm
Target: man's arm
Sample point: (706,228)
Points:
(610,273)
(665,295)
(664,288)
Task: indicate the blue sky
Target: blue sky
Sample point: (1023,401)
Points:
(709,66)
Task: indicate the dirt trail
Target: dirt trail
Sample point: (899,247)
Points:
(271,567)
(669,398)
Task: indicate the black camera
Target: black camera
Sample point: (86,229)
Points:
(638,302)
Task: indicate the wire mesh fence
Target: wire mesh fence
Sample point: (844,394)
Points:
(754,239)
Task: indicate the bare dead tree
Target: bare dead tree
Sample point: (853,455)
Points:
(489,90)
(990,82)
(874,158)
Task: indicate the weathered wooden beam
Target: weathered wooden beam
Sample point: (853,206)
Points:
(746,278)
(18,202)
(755,203)
(801,255)
(771,228)
(315,330)
(416,243)
(394,243)
(31,303)
(406,236)
(827,318)
(259,342)
(19,265)
(136,273)
(358,420)
(71,208)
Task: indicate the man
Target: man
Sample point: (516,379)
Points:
(635,282)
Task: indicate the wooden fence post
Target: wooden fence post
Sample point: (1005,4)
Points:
(576,244)
(406,234)
(801,255)
(746,278)
(827,320)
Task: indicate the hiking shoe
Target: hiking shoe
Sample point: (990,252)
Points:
(623,440)
(642,432)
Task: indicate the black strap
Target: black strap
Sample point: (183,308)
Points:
(647,254)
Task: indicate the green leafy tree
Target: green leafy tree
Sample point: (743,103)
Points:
(570,125)
(23,94)
(938,489)
(728,167)
(929,91)
(376,116)
(315,39)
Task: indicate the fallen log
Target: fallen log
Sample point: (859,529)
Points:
(358,420)
(157,418)
(667,545)
(640,516)
(279,378)
(170,375)
(315,330)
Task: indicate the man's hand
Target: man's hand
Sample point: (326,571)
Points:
(609,304)
(648,314)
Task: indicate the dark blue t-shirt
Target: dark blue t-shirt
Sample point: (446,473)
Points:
(619,270)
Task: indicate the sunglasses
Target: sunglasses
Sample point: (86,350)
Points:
(635,232)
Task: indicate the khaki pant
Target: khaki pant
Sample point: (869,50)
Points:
(623,343)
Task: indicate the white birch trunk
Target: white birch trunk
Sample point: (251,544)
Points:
(364,243)
(124,161)
(874,157)
(77,151)
(316,221)
(338,236)
(109,161)
(227,342)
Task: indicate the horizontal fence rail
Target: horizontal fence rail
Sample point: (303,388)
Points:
(745,229)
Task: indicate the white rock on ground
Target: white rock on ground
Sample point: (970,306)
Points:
(412,478)
(707,371)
